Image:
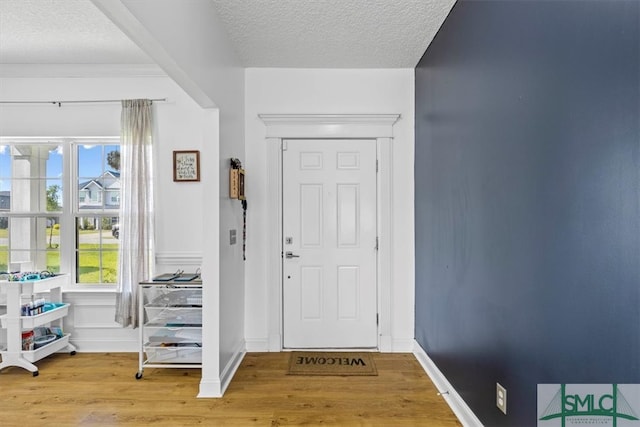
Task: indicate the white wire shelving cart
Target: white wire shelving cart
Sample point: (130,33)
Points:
(170,320)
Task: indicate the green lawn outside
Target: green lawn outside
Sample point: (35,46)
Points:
(89,269)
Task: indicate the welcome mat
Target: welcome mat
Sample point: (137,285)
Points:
(323,363)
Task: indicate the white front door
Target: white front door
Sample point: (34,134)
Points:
(329,240)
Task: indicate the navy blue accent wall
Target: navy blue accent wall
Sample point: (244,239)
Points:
(527,199)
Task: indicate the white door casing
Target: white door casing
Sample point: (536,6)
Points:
(292,126)
(329,227)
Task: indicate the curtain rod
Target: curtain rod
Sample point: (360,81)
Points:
(59,103)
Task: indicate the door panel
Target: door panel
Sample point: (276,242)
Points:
(348,292)
(348,218)
(329,224)
(311,208)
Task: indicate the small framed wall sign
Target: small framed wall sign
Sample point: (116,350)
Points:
(186,166)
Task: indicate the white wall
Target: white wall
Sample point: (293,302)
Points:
(323,91)
(179,125)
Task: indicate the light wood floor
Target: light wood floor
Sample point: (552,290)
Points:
(100,389)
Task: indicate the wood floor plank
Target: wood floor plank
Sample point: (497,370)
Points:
(99,389)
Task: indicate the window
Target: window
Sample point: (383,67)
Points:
(59,203)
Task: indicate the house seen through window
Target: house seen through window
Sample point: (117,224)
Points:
(59,204)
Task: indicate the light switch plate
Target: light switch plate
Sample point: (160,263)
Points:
(232,237)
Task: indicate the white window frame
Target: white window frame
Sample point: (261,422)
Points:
(70,200)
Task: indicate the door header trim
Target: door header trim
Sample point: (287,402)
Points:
(329,125)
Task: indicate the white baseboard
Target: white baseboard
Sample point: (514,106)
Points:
(402,345)
(210,388)
(272,344)
(232,366)
(216,388)
(105,346)
(257,345)
(386,344)
(450,395)
(275,343)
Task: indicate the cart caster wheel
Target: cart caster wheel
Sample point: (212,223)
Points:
(138,375)
(73,353)
(36,373)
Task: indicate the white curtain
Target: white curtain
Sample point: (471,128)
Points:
(137,243)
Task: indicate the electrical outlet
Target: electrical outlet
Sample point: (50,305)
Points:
(501,398)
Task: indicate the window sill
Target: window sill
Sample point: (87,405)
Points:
(90,289)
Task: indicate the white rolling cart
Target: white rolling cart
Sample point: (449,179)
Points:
(170,316)
(15,323)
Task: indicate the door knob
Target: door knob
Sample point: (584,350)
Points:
(290,255)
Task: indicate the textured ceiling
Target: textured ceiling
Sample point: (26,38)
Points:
(332,33)
(62,32)
(265,33)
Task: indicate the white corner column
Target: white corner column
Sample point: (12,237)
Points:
(210,383)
